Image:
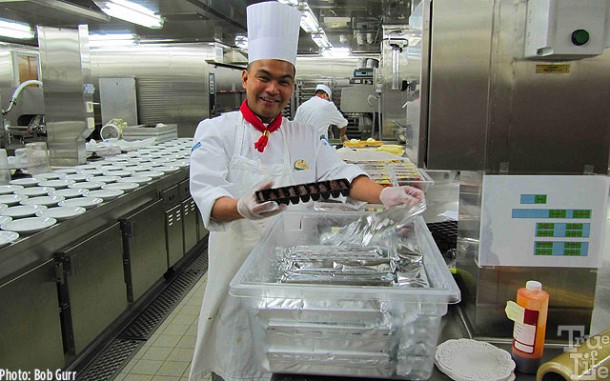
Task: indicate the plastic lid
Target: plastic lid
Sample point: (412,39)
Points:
(533,285)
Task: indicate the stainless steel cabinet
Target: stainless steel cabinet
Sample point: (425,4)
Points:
(144,250)
(92,287)
(189,223)
(173,231)
(30,330)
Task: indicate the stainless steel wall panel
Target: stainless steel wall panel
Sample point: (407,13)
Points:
(29,319)
(171,81)
(95,284)
(66,70)
(492,110)
(544,122)
(118,100)
(459,81)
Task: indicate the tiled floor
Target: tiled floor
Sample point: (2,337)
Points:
(167,355)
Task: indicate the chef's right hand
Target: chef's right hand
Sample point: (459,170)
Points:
(251,209)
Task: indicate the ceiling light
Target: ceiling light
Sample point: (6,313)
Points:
(309,23)
(14,29)
(113,39)
(321,40)
(128,11)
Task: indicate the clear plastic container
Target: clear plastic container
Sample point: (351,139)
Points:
(299,327)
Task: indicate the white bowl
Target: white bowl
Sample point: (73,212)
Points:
(42,200)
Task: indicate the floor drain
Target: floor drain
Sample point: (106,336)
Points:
(110,362)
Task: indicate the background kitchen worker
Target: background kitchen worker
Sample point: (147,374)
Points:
(320,112)
(238,150)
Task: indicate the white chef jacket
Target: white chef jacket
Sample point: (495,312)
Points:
(214,144)
(223,344)
(320,114)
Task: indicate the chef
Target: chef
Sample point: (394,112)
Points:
(320,112)
(256,148)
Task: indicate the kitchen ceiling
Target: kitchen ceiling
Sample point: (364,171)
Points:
(347,23)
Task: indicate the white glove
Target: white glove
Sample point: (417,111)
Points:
(405,195)
(250,209)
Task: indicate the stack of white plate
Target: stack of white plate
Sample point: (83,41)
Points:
(471,360)
(29,225)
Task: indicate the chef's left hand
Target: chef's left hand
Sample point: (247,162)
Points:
(405,195)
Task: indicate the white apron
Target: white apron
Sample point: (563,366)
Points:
(224,341)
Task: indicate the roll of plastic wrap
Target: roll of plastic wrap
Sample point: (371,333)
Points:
(589,361)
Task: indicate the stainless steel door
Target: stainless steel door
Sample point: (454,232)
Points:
(93,287)
(30,330)
(144,250)
(173,231)
(189,223)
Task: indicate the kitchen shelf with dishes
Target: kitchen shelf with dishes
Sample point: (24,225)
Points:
(32,204)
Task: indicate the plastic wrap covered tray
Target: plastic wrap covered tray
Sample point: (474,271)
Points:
(337,330)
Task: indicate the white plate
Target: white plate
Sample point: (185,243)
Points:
(66,170)
(85,202)
(4,219)
(139,168)
(3,206)
(50,176)
(467,359)
(12,199)
(26,182)
(87,185)
(78,177)
(55,183)
(116,159)
(8,189)
(35,191)
(7,237)
(29,225)
(42,200)
(167,168)
(61,212)
(122,186)
(92,172)
(22,211)
(182,163)
(135,179)
(107,178)
(87,167)
(68,192)
(153,174)
(119,172)
(106,194)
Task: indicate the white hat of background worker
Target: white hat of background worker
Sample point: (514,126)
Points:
(326,89)
(273,32)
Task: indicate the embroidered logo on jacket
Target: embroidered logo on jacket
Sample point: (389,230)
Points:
(301,165)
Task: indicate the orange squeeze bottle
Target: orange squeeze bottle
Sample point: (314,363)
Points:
(528,337)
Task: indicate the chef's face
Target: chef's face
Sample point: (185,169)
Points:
(269,85)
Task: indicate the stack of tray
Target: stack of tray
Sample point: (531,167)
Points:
(341,330)
(161,134)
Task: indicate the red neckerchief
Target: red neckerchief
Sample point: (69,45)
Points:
(251,118)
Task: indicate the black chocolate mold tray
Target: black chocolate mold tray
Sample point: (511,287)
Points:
(305,192)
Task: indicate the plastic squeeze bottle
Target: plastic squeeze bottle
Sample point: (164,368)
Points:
(528,336)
